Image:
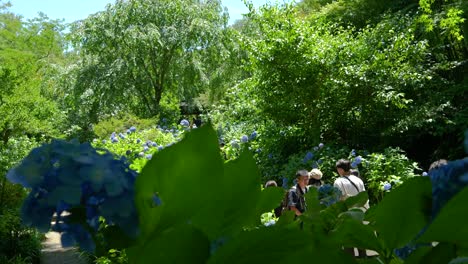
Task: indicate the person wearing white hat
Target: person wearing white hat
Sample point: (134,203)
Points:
(315,178)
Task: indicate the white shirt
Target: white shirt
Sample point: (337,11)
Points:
(347,188)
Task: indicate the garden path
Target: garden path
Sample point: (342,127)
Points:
(54,253)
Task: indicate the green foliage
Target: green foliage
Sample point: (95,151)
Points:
(137,146)
(135,52)
(114,256)
(209,209)
(26,51)
(17,243)
(104,128)
(390,167)
(410,210)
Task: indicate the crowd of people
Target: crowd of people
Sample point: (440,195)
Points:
(349,183)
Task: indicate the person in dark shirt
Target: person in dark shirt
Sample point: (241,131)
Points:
(296,200)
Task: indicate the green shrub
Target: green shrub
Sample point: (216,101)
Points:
(121,123)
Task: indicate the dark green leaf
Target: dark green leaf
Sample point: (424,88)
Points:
(179,244)
(442,253)
(404,212)
(275,245)
(187,177)
(450,224)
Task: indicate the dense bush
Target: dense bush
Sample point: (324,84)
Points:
(18,244)
(194,227)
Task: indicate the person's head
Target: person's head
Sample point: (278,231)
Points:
(355,173)
(437,164)
(302,177)
(271,184)
(315,176)
(343,166)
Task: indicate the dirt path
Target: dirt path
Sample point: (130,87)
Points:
(53,253)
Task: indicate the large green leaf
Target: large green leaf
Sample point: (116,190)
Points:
(357,201)
(242,202)
(178,244)
(450,224)
(187,178)
(442,253)
(276,245)
(353,233)
(404,212)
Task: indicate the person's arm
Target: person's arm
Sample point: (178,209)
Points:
(293,208)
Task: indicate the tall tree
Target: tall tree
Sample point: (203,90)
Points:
(26,51)
(137,50)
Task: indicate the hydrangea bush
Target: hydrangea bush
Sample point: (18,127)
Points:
(218,217)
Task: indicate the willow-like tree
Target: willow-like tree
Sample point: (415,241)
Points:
(136,51)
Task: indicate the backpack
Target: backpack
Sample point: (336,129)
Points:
(284,203)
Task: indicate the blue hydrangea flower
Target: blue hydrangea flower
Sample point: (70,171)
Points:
(160,148)
(253,135)
(244,139)
(149,156)
(270,156)
(354,164)
(65,175)
(129,131)
(309,155)
(320,161)
(270,223)
(328,194)
(353,152)
(154,144)
(358,160)
(321,145)
(114,140)
(141,154)
(185,123)
(122,136)
(316,148)
(138,141)
(104,141)
(132,129)
(387,186)
(424,174)
(145,148)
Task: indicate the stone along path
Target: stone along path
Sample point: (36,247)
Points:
(54,253)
